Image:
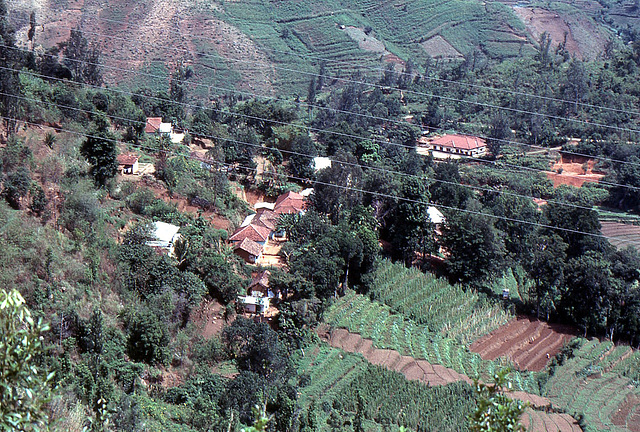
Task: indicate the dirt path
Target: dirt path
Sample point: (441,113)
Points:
(432,375)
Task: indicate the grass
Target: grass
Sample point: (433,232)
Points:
(377,321)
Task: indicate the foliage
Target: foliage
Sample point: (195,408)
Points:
(25,384)
(495,410)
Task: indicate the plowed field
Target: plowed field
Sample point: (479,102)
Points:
(529,343)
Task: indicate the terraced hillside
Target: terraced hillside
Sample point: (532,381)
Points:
(620,234)
(441,307)
(376,321)
(528,342)
(602,383)
(334,377)
(262,45)
(539,417)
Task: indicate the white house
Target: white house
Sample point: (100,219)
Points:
(165,236)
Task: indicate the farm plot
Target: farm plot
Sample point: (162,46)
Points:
(436,375)
(433,302)
(621,235)
(600,383)
(330,377)
(387,330)
(529,343)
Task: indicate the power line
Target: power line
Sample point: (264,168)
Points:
(209,87)
(307,180)
(495,163)
(290,152)
(353,81)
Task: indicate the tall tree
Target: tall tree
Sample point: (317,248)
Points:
(101,152)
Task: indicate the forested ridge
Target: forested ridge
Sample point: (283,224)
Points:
(104,332)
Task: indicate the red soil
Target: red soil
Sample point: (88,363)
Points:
(628,414)
(572,171)
(529,343)
(208,318)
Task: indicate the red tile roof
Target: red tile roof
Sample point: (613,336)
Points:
(127,159)
(464,142)
(153,124)
(249,246)
(257,233)
(267,218)
(290,202)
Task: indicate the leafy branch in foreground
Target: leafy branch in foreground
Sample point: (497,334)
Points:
(496,412)
(24,385)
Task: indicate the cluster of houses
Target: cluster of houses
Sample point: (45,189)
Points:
(251,236)
(454,146)
(128,162)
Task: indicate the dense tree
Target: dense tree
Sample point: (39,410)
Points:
(474,245)
(101,152)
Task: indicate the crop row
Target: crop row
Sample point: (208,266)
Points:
(583,385)
(373,320)
(435,303)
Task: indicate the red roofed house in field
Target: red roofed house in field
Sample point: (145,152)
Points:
(459,145)
(156,126)
(289,203)
(248,250)
(128,163)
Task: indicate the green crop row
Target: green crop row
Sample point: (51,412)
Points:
(442,307)
(373,320)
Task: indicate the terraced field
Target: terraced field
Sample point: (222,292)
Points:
(387,330)
(600,383)
(441,307)
(528,342)
(435,375)
(621,235)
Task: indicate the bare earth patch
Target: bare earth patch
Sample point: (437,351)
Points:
(583,39)
(574,171)
(529,343)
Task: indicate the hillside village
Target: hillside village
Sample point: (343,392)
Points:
(319,216)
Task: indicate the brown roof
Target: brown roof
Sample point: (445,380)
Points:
(261,280)
(267,218)
(153,124)
(464,142)
(249,246)
(290,202)
(127,159)
(257,233)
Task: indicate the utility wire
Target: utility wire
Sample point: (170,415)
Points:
(384,119)
(497,164)
(411,75)
(307,180)
(407,91)
(290,152)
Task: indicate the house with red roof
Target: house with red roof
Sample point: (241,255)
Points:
(254,232)
(248,250)
(155,126)
(458,146)
(127,163)
(289,203)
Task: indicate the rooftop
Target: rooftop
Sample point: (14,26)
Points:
(464,142)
